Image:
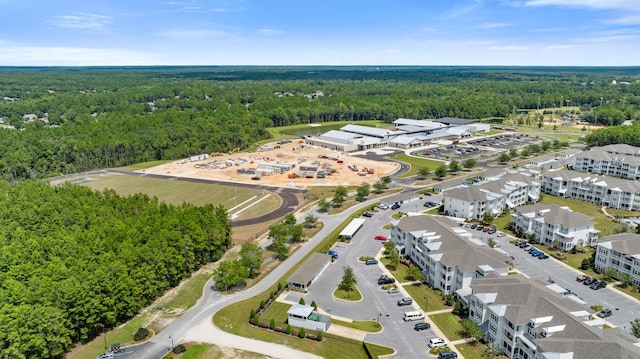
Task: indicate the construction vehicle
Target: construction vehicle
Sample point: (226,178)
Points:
(292,175)
(353,168)
(234,150)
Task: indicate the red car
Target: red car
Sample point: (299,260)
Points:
(381,238)
(486,229)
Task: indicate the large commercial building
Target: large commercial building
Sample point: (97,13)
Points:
(608,191)
(447,254)
(526,319)
(622,253)
(555,225)
(473,201)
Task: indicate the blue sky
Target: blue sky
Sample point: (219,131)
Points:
(323,32)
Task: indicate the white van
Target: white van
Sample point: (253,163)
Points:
(413,315)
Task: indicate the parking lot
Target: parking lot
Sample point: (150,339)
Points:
(376,304)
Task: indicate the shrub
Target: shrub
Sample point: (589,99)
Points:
(256,320)
(272,324)
(179,349)
(252,314)
(271,296)
(261,304)
(448,301)
(319,336)
(314,305)
(288,329)
(301,301)
(279,286)
(302,333)
(140,334)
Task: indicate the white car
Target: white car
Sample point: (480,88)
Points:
(393,290)
(501,234)
(382,206)
(437,342)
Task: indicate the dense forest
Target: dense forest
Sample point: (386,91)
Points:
(66,120)
(74,262)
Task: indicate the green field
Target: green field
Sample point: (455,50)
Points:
(178,192)
(416,163)
(449,324)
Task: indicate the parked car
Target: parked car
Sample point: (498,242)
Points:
(405,301)
(395,205)
(544,256)
(479,228)
(605,313)
(382,206)
(486,229)
(527,247)
(367,214)
(393,290)
(582,277)
(447,355)
(500,234)
(333,254)
(371,261)
(427,194)
(492,231)
(518,243)
(421,326)
(385,280)
(437,342)
(255,178)
(380,238)
(597,285)
(589,281)
(474,226)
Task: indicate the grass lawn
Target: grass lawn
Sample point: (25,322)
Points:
(212,351)
(178,192)
(371,326)
(449,324)
(400,273)
(144,165)
(120,335)
(421,291)
(630,290)
(352,295)
(474,351)
(416,163)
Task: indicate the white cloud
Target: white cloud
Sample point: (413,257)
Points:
(269,32)
(559,47)
(493,25)
(195,34)
(462,9)
(510,48)
(625,20)
(82,21)
(589,4)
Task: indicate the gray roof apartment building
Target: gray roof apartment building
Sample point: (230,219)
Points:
(448,255)
(622,253)
(555,225)
(526,319)
(608,191)
(606,163)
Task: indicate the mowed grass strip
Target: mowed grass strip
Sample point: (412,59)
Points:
(449,324)
(177,192)
(416,164)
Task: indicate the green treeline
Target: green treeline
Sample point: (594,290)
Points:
(629,135)
(107,117)
(74,262)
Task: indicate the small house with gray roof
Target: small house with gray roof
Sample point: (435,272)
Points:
(304,316)
(525,319)
(622,253)
(555,225)
(308,272)
(446,253)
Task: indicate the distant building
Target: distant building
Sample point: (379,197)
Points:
(606,163)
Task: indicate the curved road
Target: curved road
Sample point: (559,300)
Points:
(195,325)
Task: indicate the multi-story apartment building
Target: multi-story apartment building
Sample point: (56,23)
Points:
(619,149)
(527,320)
(555,225)
(611,192)
(622,253)
(509,190)
(606,163)
(448,255)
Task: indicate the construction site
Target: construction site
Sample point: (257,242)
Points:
(283,164)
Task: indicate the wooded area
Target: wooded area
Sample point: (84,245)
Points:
(74,262)
(108,117)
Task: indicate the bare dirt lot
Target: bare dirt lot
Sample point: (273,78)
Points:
(224,167)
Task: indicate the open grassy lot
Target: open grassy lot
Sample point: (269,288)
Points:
(205,351)
(475,351)
(449,324)
(416,163)
(120,335)
(144,165)
(177,192)
(425,297)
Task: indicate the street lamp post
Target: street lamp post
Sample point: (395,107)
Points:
(170,337)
